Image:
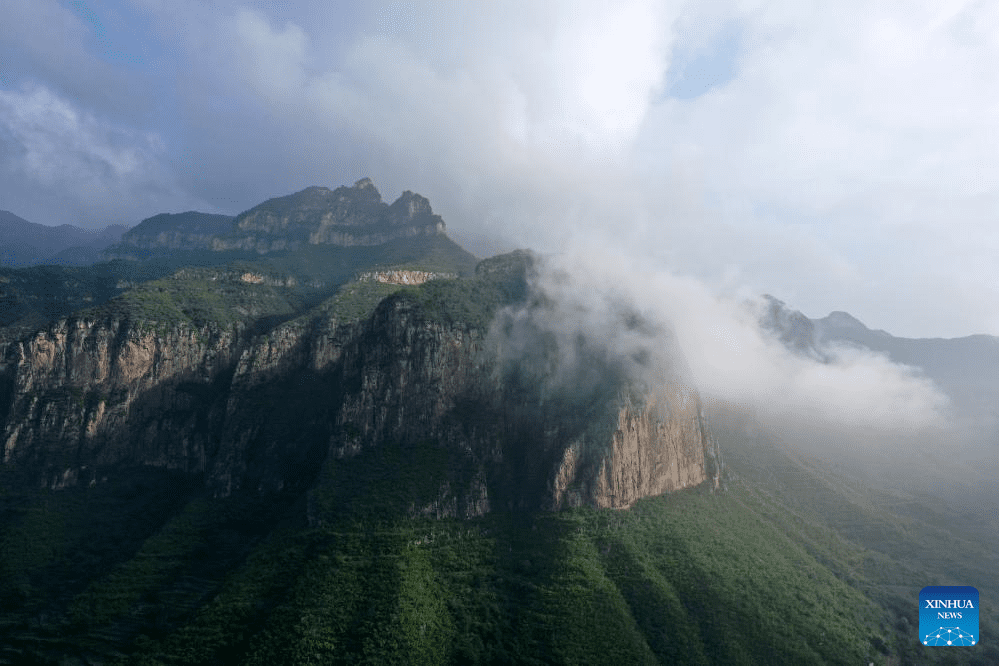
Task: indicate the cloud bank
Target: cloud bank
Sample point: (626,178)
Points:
(728,356)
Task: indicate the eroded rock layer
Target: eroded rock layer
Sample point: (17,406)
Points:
(297,406)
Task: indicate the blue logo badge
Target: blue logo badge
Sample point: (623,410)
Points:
(948,615)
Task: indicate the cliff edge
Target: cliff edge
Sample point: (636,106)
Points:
(420,394)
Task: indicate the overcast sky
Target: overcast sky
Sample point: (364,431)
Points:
(840,156)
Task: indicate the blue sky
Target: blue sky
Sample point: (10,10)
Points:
(838,155)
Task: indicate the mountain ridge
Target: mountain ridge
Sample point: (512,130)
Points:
(346,217)
(380,453)
(965,368)
(24,243)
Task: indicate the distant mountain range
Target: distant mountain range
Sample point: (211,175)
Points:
(24,243)
(965,368)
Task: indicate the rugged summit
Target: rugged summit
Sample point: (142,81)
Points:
(346,217)
(220,373)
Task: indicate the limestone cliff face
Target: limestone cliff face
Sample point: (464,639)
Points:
(85,393)
(403,276)
(655,449)
(658,444)
(268,412)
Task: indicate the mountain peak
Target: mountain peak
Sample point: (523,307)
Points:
(794,330)
(411,207)
(347,216)
(365,190)
(842,319)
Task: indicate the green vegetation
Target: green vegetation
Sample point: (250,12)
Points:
(332,265)
(473,301)
(40,293)
(885,544)
(792,565)
(31,297)
(48,548)
(155,563)
(357,300)
(753,575)
(692,578)
(199,297)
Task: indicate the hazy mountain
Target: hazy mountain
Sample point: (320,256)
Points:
(174,231)
(301,236)
(794,330)
(966,368)
(24,243)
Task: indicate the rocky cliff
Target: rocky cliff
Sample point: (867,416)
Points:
(303,404)
(346,217)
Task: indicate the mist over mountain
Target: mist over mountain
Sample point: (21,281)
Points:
(965,368)
(956,452)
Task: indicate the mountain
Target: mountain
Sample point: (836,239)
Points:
(174,231)
(183,366)
(344,217)
(343,368)
(26,243)
(966,368)
(321,432)
(793,329)
(299,236)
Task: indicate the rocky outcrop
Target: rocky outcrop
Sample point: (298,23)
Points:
(403,277)
(655,449)
(791,328)
(346,216)
(269,412)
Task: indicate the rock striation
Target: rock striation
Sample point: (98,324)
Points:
(296,406)
(403,276)
(173,231)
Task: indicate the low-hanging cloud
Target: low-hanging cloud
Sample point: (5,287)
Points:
(642,316)
(824,146)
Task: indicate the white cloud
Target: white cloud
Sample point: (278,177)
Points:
(271,60)
(109,172)
(844,119)
(729,356)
